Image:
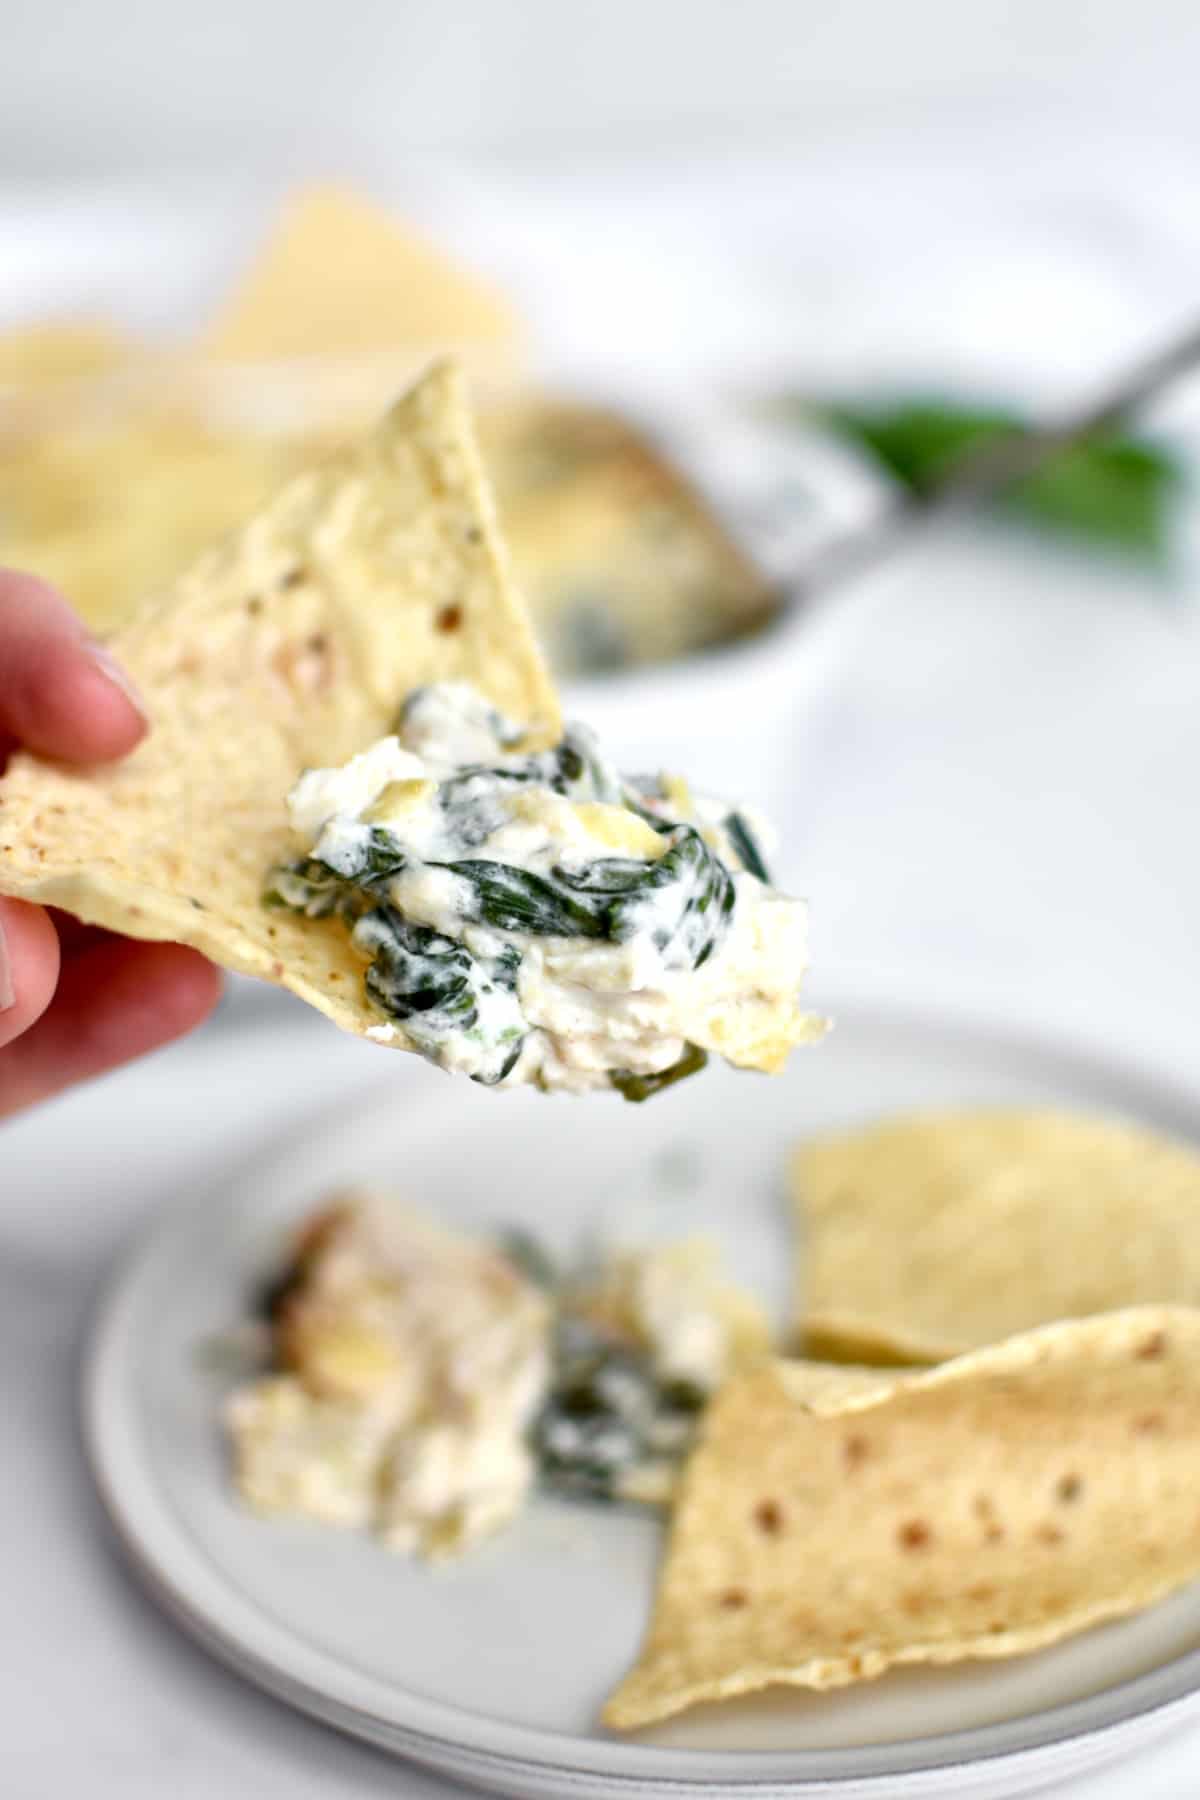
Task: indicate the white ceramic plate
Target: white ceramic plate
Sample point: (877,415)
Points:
(493,1670)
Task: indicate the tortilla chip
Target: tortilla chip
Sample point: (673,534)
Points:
(340,277)
(925,1237)
(292,644)
(57,350)
(981,1509)
(109,511)
(838,1387)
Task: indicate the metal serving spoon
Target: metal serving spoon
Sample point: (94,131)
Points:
(981,474)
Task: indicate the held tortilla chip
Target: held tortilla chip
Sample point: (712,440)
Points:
(340,277)
(981,1509)
(292,644)
(927,1236)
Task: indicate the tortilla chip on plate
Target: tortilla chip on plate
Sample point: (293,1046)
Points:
(926,1236)
(293,643)
(981,1509)
(340,277)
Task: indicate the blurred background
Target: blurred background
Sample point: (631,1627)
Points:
(103,88)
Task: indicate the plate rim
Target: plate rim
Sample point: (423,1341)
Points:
(459,1741)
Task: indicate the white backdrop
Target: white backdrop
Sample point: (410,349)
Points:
(91,86)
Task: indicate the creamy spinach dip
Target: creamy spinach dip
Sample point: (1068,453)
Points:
(539,918)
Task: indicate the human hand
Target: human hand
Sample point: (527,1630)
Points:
(75,1000)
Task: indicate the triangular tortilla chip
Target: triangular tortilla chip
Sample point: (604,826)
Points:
(292,644)
(927,1236)
(109,510)
(984,1508)
(58,350)
(340,277)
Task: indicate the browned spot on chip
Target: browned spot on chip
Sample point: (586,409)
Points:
(981,1594)
(994,1534)
(1047,1533)
(277,969)
(855,1450)
(254,605)
(292,578)
(1068,1488)
(450,618)
(914,1534)
(1152,1347)
(1147,1424)
(733,1599)
(768,1516)
(915,1602)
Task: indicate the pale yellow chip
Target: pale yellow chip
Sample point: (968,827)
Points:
(292,644)
(987,1507)
(109,511)
(926,1236)
(341,277)
(58,350)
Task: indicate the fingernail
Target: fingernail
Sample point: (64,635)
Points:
(103,659)
(7,991)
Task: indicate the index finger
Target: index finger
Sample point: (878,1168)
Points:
(60,693)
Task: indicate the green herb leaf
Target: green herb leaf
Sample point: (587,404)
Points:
(1118,492)
(1115,491)
(702,893)
(511,899)
(746,845)
(370,861)
(435,987)
(610,898)
(415,970)
(643,1087)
